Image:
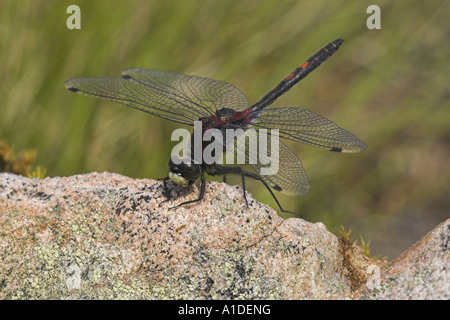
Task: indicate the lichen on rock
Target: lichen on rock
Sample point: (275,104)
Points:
(106,236)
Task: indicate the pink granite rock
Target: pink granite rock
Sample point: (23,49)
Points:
(106,236)
(421,272)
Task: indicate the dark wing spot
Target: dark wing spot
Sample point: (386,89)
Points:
(69,85)
(277,187)
(336,149)
(126,76)
(73,89)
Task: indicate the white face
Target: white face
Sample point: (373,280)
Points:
(178,179)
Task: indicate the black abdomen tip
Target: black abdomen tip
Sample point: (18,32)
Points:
(338,41)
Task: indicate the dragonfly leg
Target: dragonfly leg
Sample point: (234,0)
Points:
(202,191)
(165,192)
(244,190)
(222,170)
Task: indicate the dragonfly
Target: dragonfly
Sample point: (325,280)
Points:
(219,105)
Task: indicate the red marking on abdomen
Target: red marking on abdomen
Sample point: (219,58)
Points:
(303,66)
(240,115)
(289,77)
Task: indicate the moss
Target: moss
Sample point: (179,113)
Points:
(22,164)
(345,236)
(39,173)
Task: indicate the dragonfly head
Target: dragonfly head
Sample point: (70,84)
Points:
(183,173)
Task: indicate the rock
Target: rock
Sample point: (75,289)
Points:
(106,236)
(421,272)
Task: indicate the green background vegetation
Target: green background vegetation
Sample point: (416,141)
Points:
(390,87)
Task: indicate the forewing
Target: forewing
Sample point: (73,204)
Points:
(172,96)
(305,126)
(207,95)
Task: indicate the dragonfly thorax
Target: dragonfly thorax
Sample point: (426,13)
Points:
(224,118)
(225,113)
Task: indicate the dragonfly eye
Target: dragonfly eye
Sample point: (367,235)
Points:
(184,171)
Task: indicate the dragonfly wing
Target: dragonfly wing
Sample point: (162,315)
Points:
(305,126)
(208,95)
(284,170)
(132,95)
(172,96)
